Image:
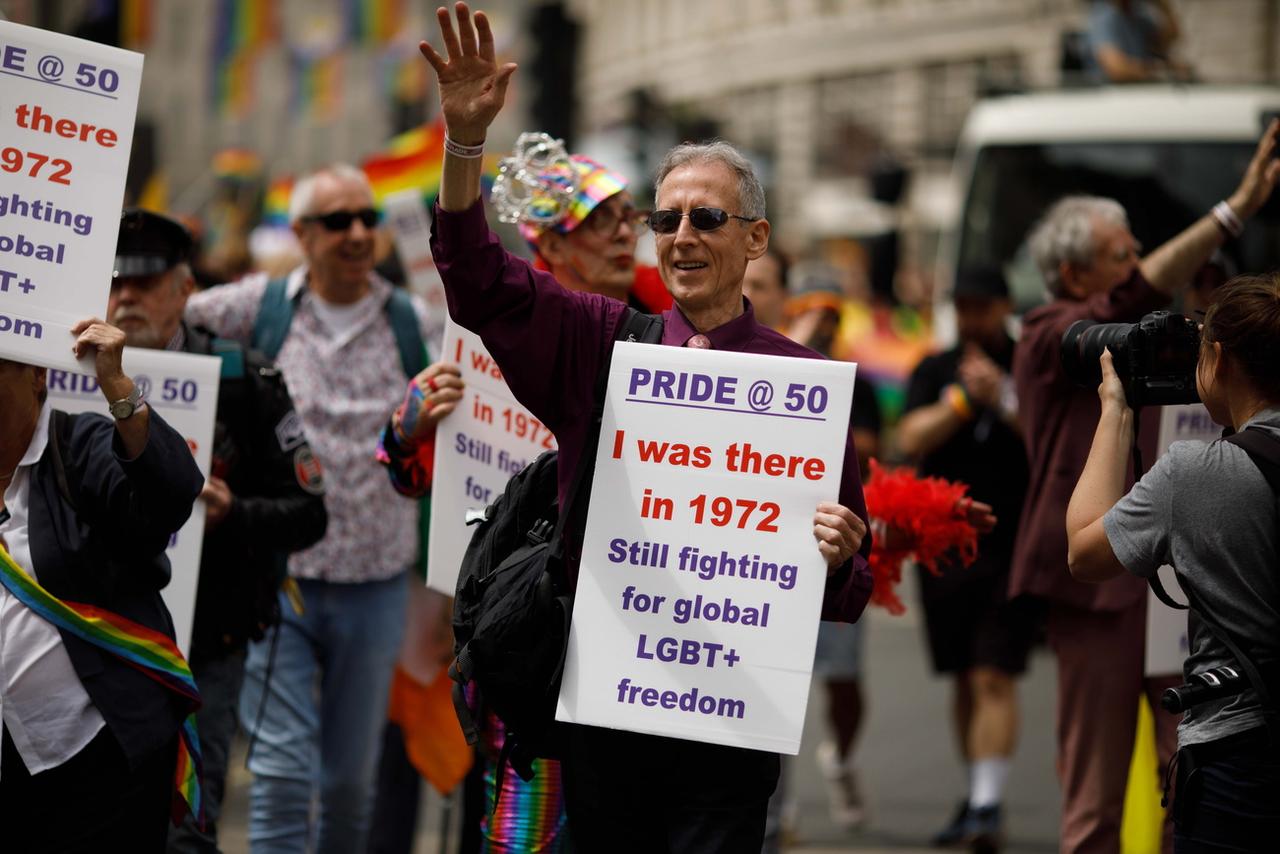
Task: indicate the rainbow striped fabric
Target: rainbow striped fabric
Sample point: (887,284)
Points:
(595,184)
(149,651)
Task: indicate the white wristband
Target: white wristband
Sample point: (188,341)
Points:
(1226,217)
(466,152)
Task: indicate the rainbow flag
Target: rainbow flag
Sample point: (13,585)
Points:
(275,204)
(237,164)
(232,84)
(374,21)
(245,25)
(135,23)
(317,91)
(149,651)
(412,160)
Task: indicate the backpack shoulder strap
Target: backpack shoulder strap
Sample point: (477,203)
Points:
(1264,449)
(636,326)
(275,313)
(404,325)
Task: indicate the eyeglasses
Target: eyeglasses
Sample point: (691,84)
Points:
(604,221)
(341,220)
(703,219)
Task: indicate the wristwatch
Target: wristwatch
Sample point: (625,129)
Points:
(124,408)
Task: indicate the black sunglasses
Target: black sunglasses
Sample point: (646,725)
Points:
(341,220)
(703,219)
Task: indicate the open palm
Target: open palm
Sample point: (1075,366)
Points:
(472,84)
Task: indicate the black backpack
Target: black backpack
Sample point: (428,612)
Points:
(513,602)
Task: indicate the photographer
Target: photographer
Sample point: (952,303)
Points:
(1207,510)
(1090,263)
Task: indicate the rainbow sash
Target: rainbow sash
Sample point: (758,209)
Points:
(149,651)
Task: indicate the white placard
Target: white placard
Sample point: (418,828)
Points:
(183,388)
(701,585)
(1167,646)
(411,231)
(67,108)
(479,446)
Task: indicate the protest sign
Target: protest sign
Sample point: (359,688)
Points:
(67,108)
(1167,645)
(701,584)
(479,446)
(183,388)
(411,231)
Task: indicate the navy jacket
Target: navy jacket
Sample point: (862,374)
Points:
(105,547)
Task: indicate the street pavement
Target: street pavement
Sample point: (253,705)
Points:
(906,760)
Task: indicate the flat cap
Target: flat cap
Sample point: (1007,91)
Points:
(149,243)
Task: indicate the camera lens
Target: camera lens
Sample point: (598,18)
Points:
(1082,346)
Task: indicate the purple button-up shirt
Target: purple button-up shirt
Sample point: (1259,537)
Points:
(550,343)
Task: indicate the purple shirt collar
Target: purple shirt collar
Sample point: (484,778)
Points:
(733,335)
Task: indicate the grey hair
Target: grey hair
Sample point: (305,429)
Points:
(750,193)
(1065,233)
(304,192)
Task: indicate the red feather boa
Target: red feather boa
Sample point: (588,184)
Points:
(920,515)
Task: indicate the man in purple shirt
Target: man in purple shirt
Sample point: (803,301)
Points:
(626,791)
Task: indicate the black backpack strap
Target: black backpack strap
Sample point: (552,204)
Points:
(404,326)
(1264,449)
(634,327)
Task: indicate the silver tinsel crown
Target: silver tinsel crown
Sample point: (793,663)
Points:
(536,184)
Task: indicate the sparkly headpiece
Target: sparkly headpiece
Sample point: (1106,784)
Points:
(540,186)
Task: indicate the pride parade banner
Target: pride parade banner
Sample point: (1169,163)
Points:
(479,446)
(67,108)
(183,388)
(1167,644)
(700,588)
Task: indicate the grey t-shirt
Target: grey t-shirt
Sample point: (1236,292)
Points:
(1206,510)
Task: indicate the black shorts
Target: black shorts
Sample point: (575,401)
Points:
(970,622)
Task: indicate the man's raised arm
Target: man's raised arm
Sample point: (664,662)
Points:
(472,89)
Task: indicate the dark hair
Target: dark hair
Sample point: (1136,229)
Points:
(1245,319)
(784,264)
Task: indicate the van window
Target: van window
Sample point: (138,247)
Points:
(1164,187)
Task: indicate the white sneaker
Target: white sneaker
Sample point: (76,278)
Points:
(844,795)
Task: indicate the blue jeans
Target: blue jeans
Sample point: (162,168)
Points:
(322,720)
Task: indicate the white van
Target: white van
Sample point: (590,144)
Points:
(1167,153)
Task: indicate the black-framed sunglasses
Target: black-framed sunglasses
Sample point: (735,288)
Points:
(341,220)
(703,219)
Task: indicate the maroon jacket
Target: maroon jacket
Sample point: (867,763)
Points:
(1059,419)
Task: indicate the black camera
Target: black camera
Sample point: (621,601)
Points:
(1155,357)
(1224,681)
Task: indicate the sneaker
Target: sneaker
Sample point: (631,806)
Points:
(956,833)
(985,830)
(844,796)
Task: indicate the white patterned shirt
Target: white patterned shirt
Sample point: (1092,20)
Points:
(344,387)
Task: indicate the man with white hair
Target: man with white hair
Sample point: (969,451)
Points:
(1090,263)
(344,339)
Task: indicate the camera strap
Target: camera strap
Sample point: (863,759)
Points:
(1264,450)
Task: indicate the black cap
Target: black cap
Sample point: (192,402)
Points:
(149,243)
(985,282)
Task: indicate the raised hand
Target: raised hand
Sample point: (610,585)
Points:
(472,84)
(1260,177)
